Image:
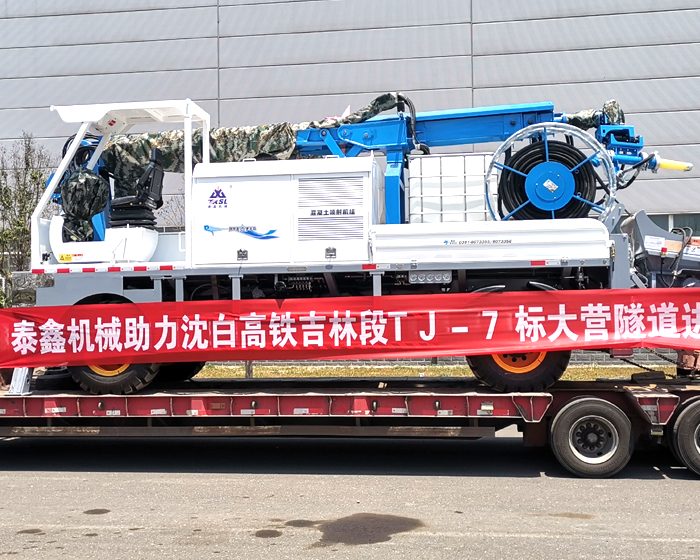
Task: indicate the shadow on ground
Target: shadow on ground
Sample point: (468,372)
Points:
(504,457)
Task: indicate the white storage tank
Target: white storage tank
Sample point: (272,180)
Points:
(448,188)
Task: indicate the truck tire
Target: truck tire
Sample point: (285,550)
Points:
(669,437)
(180,371)
(526,371)
(120,379)
(591,438)
(686,437)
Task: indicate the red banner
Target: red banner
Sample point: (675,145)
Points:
(343,328)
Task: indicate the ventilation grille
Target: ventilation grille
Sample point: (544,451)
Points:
(327,228)
(331,191)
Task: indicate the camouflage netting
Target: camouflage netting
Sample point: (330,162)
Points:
(590,117)
(126,157)
(83,194)
(23,286)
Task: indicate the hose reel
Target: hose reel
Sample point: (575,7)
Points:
(550,179)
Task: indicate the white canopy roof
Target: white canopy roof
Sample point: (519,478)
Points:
(115,117)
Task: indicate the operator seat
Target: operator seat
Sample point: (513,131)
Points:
(137,210)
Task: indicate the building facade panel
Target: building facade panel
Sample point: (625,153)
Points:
(338,15)
(345,46)
(359,77)
(244,2)
(593,32)
(77,60)
(77,90)
(39,8)
(583,66)
(668,129)
(670,196)
(516,10)
(119,27)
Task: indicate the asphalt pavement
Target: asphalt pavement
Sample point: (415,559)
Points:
(323,498)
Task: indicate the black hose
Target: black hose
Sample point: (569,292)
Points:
(637,167)
(412,132)
(687,234)
(511,187)
(602,184)
(83,152)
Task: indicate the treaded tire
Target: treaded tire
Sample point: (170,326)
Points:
(177,372)
(134,378)
(669,437)
(487,370)
(672,445)
(686,436)
(596,416)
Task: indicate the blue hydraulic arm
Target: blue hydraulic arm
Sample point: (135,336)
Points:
(435,128)
(393,136)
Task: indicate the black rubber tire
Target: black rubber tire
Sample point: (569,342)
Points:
(672,445)
(134,378)
(177,372)
(669,439)
(487,370)
(686,436)
(55,378)
(595,413)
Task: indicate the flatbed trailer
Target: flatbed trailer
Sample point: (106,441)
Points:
(591,426)
(333,258)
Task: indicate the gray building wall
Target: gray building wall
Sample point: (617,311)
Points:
(258,61)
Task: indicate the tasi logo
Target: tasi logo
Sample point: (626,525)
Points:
(218,199)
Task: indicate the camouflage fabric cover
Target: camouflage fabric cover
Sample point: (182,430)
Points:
(83,194)
(384,102)
(589,118)
(126,157)
(613,112)
(23,287)
(584,119)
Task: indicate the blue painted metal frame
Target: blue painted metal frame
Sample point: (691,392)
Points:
(390,135)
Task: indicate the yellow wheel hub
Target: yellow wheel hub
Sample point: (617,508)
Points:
(519,363)
(109,371)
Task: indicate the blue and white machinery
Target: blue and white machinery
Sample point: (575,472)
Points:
(537,212)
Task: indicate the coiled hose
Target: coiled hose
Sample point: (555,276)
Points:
(511,186)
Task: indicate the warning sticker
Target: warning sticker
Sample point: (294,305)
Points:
(70,257)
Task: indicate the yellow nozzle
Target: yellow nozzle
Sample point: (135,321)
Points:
(675,165)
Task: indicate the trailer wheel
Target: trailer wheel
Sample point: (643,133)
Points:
(118,379)
(524,371)
(686,437)
(180,371)
(591,438)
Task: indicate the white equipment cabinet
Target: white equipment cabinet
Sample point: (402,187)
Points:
(282,212)
(479,244)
